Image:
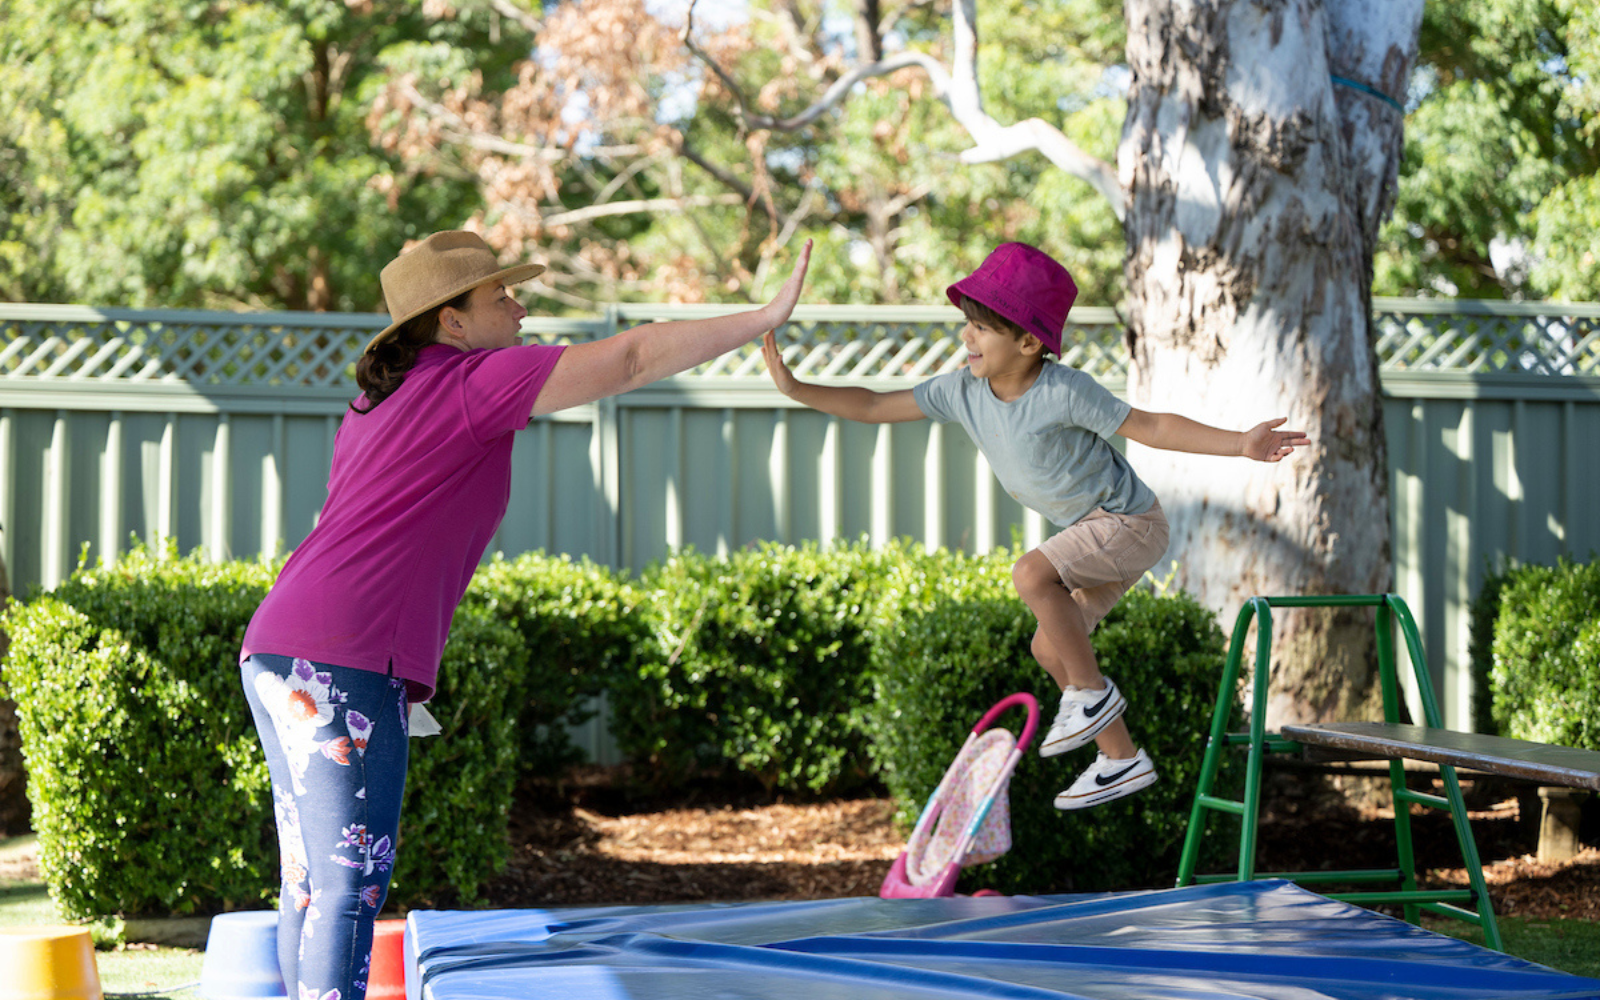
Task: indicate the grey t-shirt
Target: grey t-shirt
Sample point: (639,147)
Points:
(1048,448)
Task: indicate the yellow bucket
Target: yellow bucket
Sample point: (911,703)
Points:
(48,963)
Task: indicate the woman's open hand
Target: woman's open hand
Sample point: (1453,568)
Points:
(778,310)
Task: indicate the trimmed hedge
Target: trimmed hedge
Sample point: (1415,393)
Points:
(1546,673)
(950,660)
(759,668)
(581,625)
(810,671)
(1483,614)
(150,791)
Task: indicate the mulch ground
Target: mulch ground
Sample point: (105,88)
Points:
(587,843)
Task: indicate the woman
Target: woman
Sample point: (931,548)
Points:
(350,636)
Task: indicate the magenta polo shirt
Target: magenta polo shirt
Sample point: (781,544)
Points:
(417,489)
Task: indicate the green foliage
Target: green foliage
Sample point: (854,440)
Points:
(1546,675)
(459,784)
(1566,221)
(130,710)
(214,154)
(1501,145)
(150,792)
(1567,266)
(759,666)
(776,664)
(579,625)
(1483,614)
(949,662)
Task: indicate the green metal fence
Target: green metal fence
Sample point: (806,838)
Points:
(215,430)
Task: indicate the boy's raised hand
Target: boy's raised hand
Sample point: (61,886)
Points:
(782,377)
(1265,443)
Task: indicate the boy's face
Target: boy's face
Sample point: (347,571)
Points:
(995,353)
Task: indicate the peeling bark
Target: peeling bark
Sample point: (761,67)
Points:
(1251,186)
(1256,187)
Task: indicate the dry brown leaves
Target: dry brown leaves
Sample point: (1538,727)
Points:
(588,851)
(715,853)
(834,831)
(1526,887)
(591,854)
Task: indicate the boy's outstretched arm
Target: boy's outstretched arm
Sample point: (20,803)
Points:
(1263,442)
(848,401)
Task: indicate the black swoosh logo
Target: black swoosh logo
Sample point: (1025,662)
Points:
(1095,710)
(1110,779)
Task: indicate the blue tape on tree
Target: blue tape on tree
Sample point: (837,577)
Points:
(1380,95)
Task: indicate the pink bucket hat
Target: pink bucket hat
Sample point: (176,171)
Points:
(1026,286)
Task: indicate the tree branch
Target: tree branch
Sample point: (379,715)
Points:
(729,180)
(488,142)
(463,132)
(869,43)
(957,89)
(637,205)
(1003,142)
(511,11)
(786,231)
(834,94)
(899,203)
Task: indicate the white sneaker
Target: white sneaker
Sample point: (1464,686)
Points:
(1081,717)
(1108,779)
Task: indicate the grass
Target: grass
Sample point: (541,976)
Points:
(156,972)
(1569,945)
(152,972)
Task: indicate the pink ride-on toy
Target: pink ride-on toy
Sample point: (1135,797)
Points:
(967,821)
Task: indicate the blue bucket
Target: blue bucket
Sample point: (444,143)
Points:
(241,960)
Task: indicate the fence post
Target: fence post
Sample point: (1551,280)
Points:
(57,496)
(8,480)
(605,461)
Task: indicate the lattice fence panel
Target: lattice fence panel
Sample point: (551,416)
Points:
(889,348)
(195,352)
(1541,344)
(217,349)
(320,350)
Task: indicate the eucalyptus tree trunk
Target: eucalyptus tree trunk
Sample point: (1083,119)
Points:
(1259,157)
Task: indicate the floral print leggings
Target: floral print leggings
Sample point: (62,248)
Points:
(335,740)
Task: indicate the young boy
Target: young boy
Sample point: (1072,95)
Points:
(1044,429)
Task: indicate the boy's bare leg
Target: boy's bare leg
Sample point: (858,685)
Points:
(1062,643)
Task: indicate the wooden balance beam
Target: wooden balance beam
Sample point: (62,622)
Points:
(1543,763)
(1551,767)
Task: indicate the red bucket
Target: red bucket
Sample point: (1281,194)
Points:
(386,980)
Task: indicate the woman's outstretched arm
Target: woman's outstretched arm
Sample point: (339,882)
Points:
(637,357)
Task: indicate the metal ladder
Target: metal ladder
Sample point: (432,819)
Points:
(1472,905)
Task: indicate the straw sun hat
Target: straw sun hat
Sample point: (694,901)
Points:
(437,270)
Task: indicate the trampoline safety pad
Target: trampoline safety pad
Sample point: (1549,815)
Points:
(1264,940)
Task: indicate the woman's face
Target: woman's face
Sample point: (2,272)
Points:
(492,318)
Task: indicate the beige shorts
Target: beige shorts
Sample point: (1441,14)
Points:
(1102,556)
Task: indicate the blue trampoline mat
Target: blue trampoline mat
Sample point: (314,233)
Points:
(1266,940)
